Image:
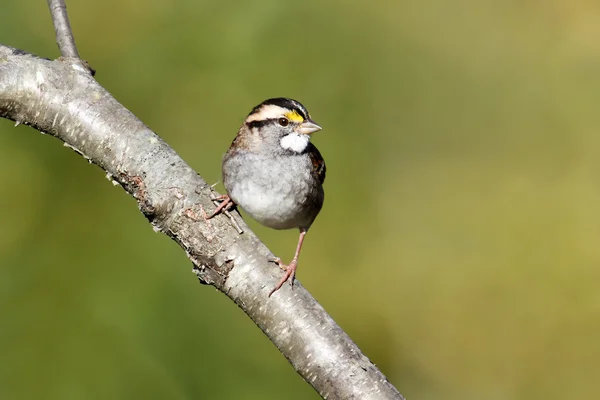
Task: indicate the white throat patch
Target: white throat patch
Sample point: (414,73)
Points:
(295,142)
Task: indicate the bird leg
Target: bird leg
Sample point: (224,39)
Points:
(226,204)
(290,269)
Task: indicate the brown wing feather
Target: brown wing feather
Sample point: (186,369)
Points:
(317,162)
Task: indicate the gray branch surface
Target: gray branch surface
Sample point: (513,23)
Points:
(62,99)
(62,28)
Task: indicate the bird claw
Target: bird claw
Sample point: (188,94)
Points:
(223,208)
(221,197)
(277,260)
(226,204)
(290,274)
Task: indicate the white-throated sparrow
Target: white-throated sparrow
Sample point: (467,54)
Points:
(274,173)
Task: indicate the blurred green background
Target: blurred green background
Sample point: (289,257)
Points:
(459,245)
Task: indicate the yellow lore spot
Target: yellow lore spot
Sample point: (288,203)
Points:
(294,116)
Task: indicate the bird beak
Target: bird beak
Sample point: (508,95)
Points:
(308,127)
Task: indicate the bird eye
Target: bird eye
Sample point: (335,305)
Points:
(283,121)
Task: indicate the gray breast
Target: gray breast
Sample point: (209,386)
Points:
(278,192)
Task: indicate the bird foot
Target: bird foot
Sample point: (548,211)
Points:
(277,260)
(226,204)
(290,273)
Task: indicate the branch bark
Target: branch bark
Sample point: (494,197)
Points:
(62,99)
(62,28)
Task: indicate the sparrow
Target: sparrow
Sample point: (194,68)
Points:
(274,173)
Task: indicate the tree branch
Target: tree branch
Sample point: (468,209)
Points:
(63,100)
(62,28)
